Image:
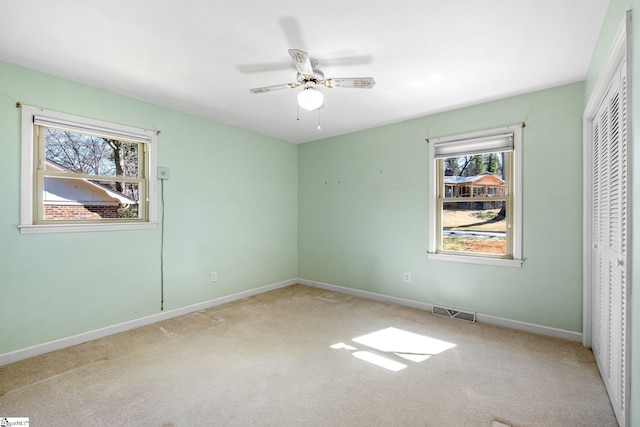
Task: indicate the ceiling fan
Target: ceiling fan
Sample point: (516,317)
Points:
(309,76)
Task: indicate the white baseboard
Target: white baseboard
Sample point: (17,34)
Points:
(483,318)
(368,295)
(47,347)
(530,327)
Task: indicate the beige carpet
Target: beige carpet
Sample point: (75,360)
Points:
(269,361)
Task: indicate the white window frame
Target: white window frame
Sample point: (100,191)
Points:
(467,140)
(28,224)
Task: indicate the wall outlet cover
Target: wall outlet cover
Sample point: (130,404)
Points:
(163,173)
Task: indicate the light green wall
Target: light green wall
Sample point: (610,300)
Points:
(359,203)
(231,206)
(613,19)
(363,212)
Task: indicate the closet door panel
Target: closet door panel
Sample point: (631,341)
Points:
(609,223)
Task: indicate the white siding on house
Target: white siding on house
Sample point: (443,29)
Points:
(75,191)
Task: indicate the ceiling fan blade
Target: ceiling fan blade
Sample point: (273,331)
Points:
(354,82)
(292,31)
(302,62)
(272,88)
(338,61)
(263,67)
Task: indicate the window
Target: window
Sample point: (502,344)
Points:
(82,174)
(475,197)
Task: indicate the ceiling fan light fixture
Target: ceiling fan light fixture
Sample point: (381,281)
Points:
(309,77)
(310,99)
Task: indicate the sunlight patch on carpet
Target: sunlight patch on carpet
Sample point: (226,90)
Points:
(383,362)
(396,342)
(342,345)
(405,344)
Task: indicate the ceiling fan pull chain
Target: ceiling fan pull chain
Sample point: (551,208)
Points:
(319,127)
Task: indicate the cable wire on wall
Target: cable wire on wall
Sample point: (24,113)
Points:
(162,247)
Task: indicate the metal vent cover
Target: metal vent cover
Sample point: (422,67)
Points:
(455,314)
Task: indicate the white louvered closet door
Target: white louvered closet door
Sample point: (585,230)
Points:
(609,257)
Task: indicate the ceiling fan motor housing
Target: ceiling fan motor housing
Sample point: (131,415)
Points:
(318,77)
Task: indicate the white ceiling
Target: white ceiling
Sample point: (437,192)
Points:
(202,57)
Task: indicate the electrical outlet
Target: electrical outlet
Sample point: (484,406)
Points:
(214,277)
(407,277)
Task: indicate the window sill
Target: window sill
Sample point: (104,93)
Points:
(75,228)
(500,262)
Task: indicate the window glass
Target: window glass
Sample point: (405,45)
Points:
(468,224)
(74,199)
(90,154)
(88,177)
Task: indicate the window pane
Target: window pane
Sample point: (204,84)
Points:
(480,175)
(90,155)
(74,199)
(474,227)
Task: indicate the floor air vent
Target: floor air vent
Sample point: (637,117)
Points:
(455,314)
